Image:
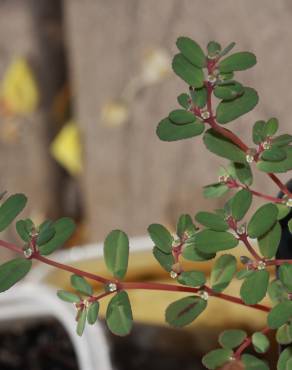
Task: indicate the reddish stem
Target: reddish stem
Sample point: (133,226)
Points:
(265,196)
(186,289)
(249,247)
(246,343)
(277,262)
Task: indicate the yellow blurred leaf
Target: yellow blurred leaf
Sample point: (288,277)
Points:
(19,91)
(66,148)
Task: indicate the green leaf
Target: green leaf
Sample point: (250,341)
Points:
(181,116)
(269,242)
(80,284)
(191,253)
(260,342)
(161,237)
(240,204)
(228,111)
(290,225)
(285,275)
(184,311)
(213,49)
(209,241)
(217,358)
(183,100)
(232,338)
(191,51)
(242,274)
(116,253)
(277,166)
(10,209)
(192,278)
(226,76)
(165,260)
(253,363)
(119,316)
(277,292)
(258,135)
(228,91)
(222,272)
(13,271)
(24,228)
(64,228)
(271,127)
(254,287)
(237,62)
(185,225)
(168,131)
(227,49)
(46,232)
(212,220)
(274,154)
(192,75)
(215,190)
(68,296)
(243,173)
(284,334)
(262,220)
(283,211)
(284,362)
(199,97)
(223,147)
(92,313)
(282,140)
(280,314)
(81,322)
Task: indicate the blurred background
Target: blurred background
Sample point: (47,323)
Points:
(83,86)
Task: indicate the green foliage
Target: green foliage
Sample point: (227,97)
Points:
(240,204)
(119,316)
(181,116)
(81,285)
(285,275)
(223,147)
(228,90)
(46,232)
(116,253)
(184,311)
(81,322)
(213,49)
(280,314)
(209,241)
(64,229)
(254,287)
(229,110)
(199,96)
(10,209)
(253,363)
(161,237)
(237,62)
(284,334)
(68,296)
(222,272)
(262,220)
(183,100)
(232,338)
(285,359)
(169,131)
(215,190)
(260,342)
(192,278)
(191,51)
(277,166)
(217,358)
(269,242)
(213,221)
(92,313)
(165,260)
(185,225)
(13,271)
(191,74)
(24,229)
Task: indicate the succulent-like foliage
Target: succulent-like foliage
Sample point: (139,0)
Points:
(210,77)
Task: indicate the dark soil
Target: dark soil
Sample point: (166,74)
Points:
(45,346)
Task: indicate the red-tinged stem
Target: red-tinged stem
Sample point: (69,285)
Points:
(71,269)
(251,250)
(10,246)
(185,289)
(230,135)
(264,196)
(279,183)
(246,343)
(277,262)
